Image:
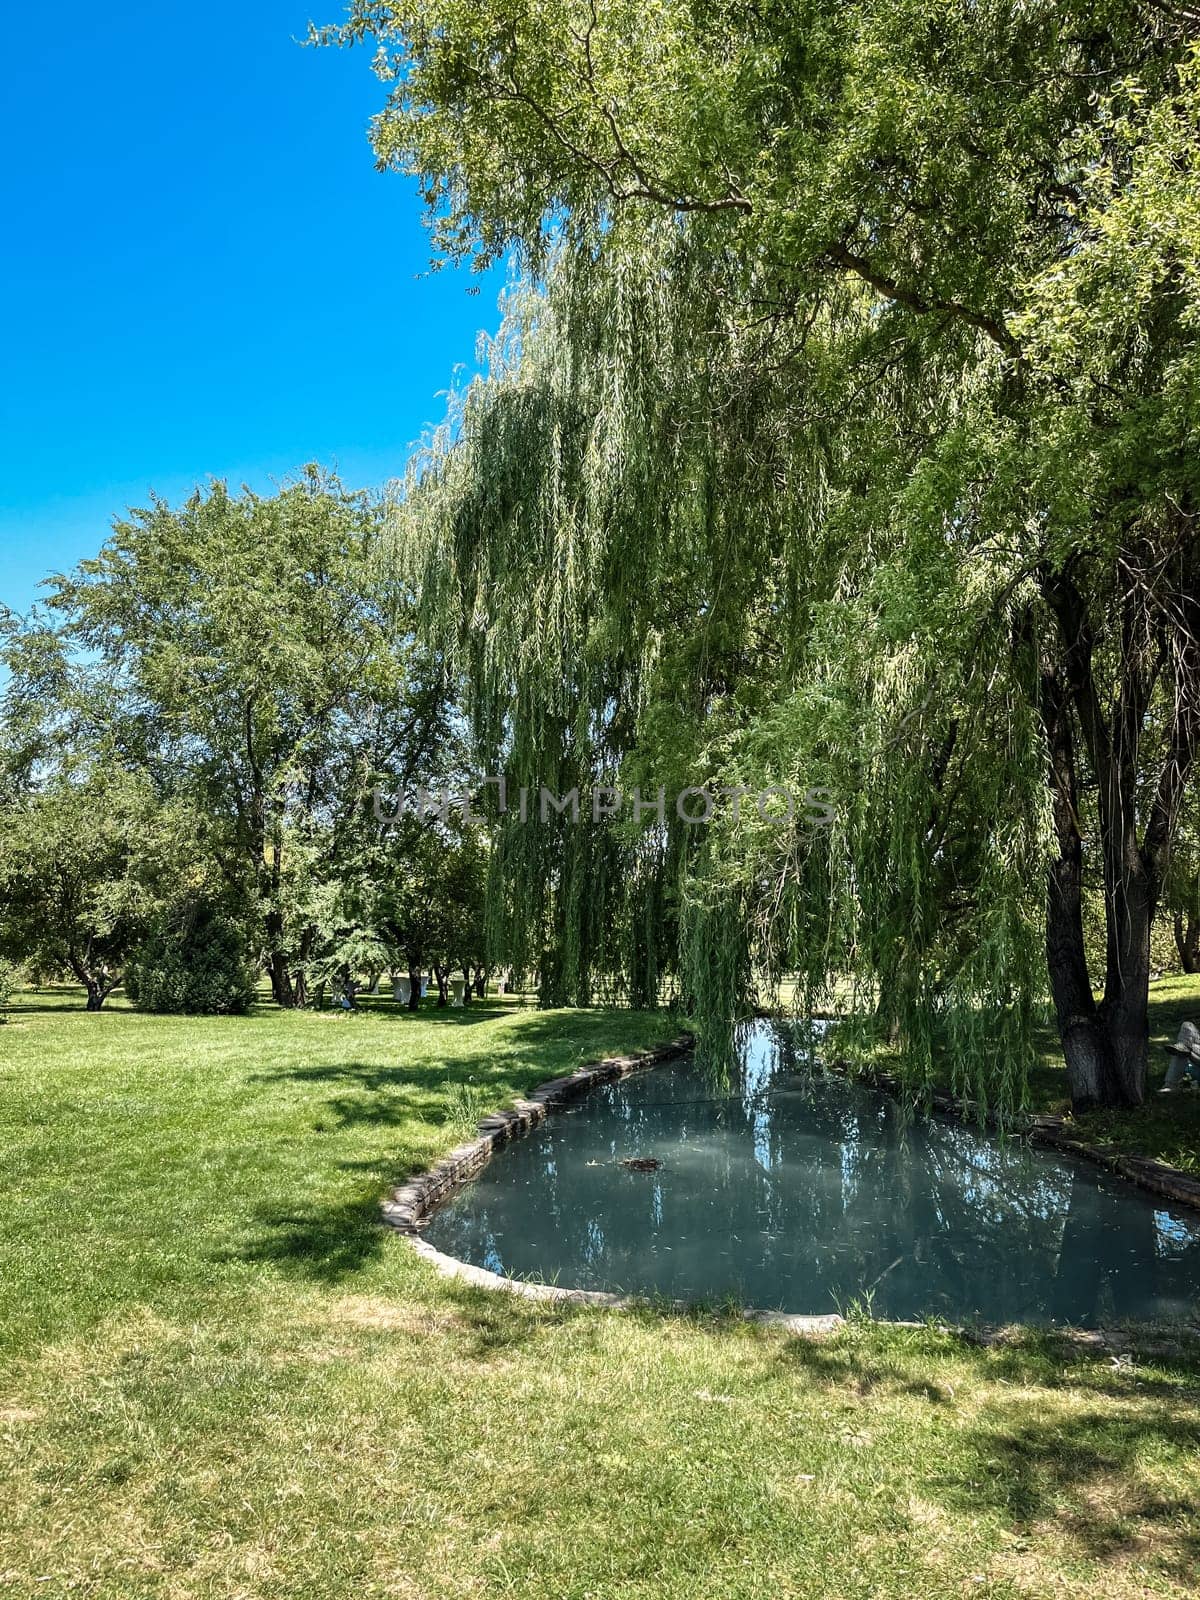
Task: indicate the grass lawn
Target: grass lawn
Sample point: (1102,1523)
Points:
(220,1378)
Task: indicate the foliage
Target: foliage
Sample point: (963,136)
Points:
(194,961)
(252,655)
(1182,889)
(848,428)
(424,900)
(80,859)
(8,982)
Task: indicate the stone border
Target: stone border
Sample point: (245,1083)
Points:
(1054,1133)
(410,1205)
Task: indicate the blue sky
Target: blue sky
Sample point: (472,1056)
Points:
(204,273)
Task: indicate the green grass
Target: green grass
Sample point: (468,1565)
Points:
(220,1378)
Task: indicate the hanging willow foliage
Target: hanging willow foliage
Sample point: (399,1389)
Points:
(668,548)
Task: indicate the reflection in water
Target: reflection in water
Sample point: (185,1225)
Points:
(785,1188)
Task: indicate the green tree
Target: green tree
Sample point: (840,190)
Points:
(1182,892)
(856,426)
(8,982)
(426,900)
(78,864)
(256,659)
(193,960)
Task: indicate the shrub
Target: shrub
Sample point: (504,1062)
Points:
(195,962)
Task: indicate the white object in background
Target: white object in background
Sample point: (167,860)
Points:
(456,991)
(1184,1064)
(401,990)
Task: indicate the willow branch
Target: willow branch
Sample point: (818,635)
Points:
(842,256)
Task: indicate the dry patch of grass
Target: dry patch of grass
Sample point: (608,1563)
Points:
(387,1316)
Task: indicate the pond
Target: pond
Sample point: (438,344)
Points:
(793,1190)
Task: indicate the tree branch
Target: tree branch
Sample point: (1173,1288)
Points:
(842,256)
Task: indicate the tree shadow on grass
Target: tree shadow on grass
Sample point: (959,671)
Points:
(499,1324)
(380,1009)
(1038,1454)
(1081,1472)
(327,1243)
(330,1243)
(538,1047)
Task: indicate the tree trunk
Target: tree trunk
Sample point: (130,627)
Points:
(94,986)
(481,982)
(1091,1073)
(281,981)
(414,986)
(440,973)
(277,964)
(468,983)
(1187,941)
(1125,1008)
(1108,1069)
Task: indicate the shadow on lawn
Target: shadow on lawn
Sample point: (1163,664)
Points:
(325,1243)
(537,1047)
(1026,1469)
(1043,1463)
(1078,1475)
(1041,1460)
(382,1010)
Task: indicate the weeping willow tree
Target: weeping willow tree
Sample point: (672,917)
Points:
(654,578)
(845,431)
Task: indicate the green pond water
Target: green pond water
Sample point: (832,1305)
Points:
(789,1189)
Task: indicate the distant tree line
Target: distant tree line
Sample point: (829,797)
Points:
(191,728)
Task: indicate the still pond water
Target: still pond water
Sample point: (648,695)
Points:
(788,1189)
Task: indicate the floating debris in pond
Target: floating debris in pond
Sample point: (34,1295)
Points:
(640,1164)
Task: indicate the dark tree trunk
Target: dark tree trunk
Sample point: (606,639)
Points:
(277,965)
(96,988)
(1187,940)
(414,986)
(1130,896)
(468,983)
(481,982)
(281,981)
(1110,1068)
(1091,1072)
(441,973)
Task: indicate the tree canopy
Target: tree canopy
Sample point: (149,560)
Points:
(844,430)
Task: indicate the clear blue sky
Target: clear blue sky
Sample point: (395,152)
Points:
(203,273)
